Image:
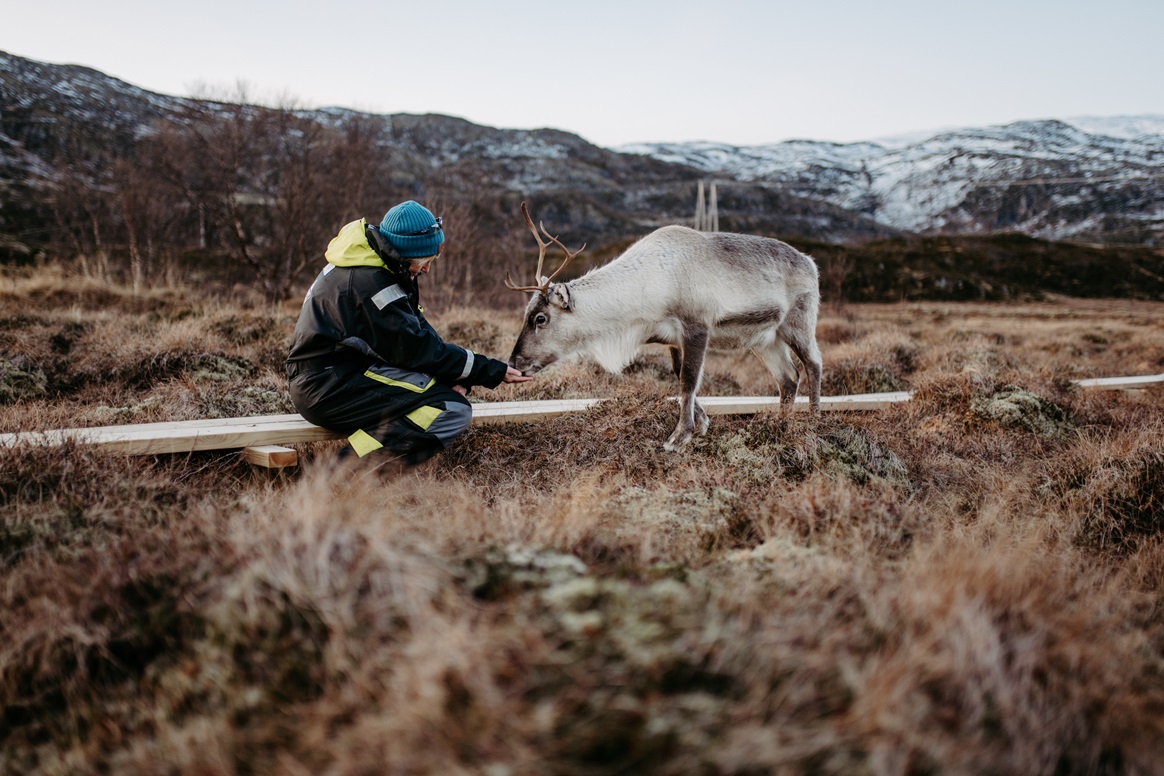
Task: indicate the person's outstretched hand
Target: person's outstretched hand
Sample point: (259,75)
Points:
(514,376)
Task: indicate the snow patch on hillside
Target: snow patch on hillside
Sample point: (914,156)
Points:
(924,181)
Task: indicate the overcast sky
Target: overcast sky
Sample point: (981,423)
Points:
(744,72)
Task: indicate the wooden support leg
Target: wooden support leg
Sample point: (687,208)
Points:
(271,456)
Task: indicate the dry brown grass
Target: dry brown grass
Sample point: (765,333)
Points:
(971,582)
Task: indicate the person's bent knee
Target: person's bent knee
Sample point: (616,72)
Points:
(453,422)
(445,423)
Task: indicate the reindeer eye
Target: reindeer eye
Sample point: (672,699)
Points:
(540,319)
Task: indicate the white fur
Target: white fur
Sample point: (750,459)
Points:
(614,350)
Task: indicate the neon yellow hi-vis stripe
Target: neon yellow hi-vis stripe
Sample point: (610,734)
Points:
(424,416)
(398,383)
(363,443)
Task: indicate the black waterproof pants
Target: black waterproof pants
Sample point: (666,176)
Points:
(404,413)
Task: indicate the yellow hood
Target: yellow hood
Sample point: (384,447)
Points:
(350,248)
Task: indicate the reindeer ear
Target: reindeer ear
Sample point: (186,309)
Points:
(559,294)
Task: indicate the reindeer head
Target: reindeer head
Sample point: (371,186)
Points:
(545,333)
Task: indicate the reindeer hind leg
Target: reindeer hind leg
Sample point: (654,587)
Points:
(809,355)
(778,359)
(799,331)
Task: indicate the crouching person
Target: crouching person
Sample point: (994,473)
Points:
(363,360)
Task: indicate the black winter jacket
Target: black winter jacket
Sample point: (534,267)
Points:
(364,308)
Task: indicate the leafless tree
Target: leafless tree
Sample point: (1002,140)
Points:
(482,243)
(270,185)
(265,186)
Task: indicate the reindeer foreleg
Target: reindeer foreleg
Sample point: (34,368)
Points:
(691,354)
(701,420)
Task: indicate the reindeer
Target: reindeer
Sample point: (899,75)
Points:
(686,289)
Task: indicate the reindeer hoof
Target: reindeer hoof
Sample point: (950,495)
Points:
(677,441)
(702,421)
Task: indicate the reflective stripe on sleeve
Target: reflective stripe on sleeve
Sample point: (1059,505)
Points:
(468,364)
(387,296)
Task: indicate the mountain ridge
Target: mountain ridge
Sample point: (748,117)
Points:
(1090,179)
(943,182)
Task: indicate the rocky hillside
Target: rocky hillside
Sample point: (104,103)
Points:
(1082,180)
(53,112)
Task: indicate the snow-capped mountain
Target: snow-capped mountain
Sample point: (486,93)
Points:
(1094,179)
(1087,178)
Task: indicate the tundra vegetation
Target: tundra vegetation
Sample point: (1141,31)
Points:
(971,582)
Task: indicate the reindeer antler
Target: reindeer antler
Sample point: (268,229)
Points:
(542,246)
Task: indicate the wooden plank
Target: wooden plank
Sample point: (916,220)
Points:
(228,433)
(1138,382)
(270,456)
(749,405)
(240,433)
(527,411)
(231,433)
(179,437)
(493,413)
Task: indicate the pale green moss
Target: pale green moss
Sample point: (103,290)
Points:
(1016,408)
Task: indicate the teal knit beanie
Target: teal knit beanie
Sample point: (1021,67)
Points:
(413,230)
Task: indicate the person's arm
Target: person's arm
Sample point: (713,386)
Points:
(402,338)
